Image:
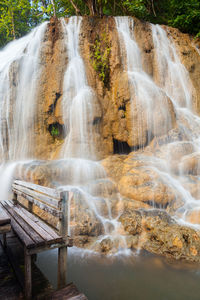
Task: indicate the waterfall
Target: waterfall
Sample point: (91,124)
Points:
(173,76)
(173,81)
(78,97)
(146,95)
(20,71)
(159,105)
(19,74)
(77,105)
(84,175)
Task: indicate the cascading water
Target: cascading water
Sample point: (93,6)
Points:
(158,105)
(174,79)
(173,76)
(19,73)
(172,82)
(146,95)
(85,176)
(20,70)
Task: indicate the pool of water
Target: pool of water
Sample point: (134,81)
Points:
(141,277)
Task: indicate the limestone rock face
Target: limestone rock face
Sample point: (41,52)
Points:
(136,180)
(158,233)
(117,113)
(138,143)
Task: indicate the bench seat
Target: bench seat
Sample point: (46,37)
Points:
(5,221)
(32,231)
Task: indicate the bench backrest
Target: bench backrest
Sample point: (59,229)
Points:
(52,201)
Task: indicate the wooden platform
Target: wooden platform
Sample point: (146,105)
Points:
(9,286)
(70,292)
(12,282)
(15,253)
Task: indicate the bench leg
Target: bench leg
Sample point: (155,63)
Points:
(28,276)
(4,240)
(62,267)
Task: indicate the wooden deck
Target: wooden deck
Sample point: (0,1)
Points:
(9,286)
(15,253)
(70,292)
(31,235)
(12,282)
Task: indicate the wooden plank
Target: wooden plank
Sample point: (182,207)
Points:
(5,228)
(43,225)
(69,291)
(4,218)
(37,195)
(43,233)
(44,190)
(25,226)
(78,297)
(24,238)
(47,247)
(25,233)
(51,210)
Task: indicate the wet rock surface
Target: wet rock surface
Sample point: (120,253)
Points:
(136,152)
(158,233)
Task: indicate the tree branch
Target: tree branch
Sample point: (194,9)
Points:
(75,7)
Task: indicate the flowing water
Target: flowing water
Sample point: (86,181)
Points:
(85,174)
(171,85)
(170,92)
(20,70)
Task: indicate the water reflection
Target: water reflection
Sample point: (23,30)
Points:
(125,277)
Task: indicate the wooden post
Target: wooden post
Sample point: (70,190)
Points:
(62,267)
(4,240)
(28,275)
(30,206)
(62,252)
(15,198)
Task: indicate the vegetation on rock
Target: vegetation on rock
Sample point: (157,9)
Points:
(100,56)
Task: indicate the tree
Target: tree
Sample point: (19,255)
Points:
(17,17)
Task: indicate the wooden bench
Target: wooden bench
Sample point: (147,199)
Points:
(33,232)
(5,225)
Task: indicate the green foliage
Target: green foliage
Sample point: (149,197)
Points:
(17,17)
(55,132)
(100,56)
(138,8)
(185,15)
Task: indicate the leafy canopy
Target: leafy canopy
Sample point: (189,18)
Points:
(17,17)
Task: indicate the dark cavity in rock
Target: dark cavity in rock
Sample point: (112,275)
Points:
(57,130)
(120,147)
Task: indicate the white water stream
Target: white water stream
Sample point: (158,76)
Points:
(173,82)
(85,175)
(20,69)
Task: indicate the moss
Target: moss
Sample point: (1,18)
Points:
(55,132)
(100,57)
